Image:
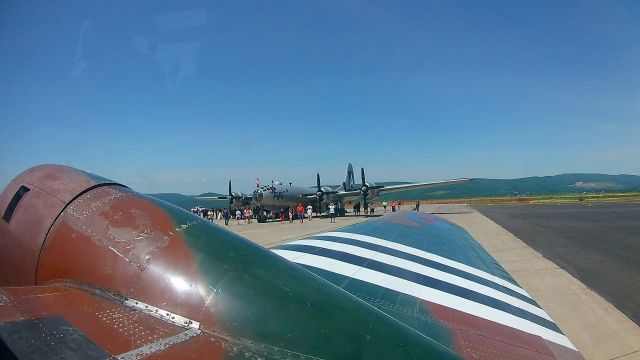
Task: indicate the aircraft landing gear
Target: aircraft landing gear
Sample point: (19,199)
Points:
(340,209)
(261,217)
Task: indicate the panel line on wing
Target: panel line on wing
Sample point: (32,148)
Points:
(429,256)
(159,345)
(429,294)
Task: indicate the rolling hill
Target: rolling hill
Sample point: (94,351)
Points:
(529,186)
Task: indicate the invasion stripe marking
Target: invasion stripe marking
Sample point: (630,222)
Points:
(428,294)
(424,270)
(428,263)
(424,280)
(427,255)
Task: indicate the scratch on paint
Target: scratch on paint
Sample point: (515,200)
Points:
(184,227)
(211,297)
(80,212)
(4,300)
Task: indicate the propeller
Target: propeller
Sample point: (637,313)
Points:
(234,196)
(365,187)
(320,193)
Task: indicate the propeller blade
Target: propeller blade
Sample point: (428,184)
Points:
(364,189)
(230,195)
(318,180)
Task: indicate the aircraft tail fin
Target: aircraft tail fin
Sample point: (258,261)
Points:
(349,181)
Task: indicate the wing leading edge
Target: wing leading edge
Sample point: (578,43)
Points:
(424,185)
(403,187)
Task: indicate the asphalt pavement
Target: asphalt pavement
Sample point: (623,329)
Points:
(598,243)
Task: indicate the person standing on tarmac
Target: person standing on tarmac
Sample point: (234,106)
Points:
(332,212)
(225,215)
(309,212)
(300,213)
(417,205)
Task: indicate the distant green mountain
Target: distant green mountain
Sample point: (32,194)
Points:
(529,186)
(210,194)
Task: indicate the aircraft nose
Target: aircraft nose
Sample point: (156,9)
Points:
(257,196)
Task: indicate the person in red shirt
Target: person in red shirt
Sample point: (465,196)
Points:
(300,213)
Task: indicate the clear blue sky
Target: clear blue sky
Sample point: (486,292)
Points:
(169,96)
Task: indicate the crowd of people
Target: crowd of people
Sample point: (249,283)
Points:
(299,212)
(369,209)
(247,215)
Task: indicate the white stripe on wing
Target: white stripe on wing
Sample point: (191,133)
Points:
(428,256)
(424,270)
(425,293)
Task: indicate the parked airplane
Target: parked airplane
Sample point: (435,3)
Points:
(90,269)
(278,196)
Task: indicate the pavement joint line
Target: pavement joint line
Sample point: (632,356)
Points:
(512,248)
(533,271)
(621,356)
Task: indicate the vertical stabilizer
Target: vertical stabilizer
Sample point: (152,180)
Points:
(350,180)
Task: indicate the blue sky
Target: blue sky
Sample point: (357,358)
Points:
(181,97)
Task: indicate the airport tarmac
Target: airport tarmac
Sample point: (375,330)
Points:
(599,243)
(597,328)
